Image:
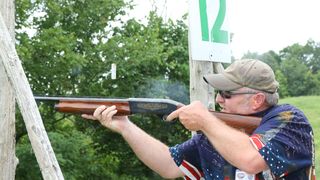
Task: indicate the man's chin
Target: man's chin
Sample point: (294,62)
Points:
(224,110)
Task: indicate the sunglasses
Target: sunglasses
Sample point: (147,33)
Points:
(229,94)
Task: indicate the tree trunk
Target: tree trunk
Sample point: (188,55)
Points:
(8,160)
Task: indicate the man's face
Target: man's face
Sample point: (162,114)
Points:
(236,102)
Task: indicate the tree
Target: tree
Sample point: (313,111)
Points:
(270,57)
(283,82)
(74,44)
(312,56)
(299,67)
(145,56)
(298,76)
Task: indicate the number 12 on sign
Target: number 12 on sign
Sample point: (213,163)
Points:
(209,34)
(217,35)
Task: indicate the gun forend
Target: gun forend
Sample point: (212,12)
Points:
(124,106)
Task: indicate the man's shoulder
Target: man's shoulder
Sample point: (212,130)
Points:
(284,113)
(284,109)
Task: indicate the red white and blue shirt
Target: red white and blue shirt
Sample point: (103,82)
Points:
(284,139)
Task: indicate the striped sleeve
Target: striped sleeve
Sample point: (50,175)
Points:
(256,141)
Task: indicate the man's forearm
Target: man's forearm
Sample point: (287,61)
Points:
(151,152)
(234,146)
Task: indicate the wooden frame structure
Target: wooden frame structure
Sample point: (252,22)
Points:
(15,86)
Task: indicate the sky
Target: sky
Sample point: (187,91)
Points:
(257,25)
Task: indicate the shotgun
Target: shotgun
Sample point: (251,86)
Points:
(129,106)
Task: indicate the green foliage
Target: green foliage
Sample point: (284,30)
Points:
(27,167)
(70,53)
(76,156)
(271,58)
(302,81)
(298,65)
(312,56)
(311,107)
(309,54)
(283,89)
(64,45)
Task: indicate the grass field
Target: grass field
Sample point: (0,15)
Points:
(310,105)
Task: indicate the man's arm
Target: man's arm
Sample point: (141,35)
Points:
(149,150)
(232,144)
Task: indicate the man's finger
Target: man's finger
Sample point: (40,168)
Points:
(99,110)
(109,112)
(87,116)
(173,115)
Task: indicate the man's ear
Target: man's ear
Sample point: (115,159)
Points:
(259,100)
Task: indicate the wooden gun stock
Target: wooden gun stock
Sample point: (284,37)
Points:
(162,107)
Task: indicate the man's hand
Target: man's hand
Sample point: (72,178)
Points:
(106,117)
(192,116)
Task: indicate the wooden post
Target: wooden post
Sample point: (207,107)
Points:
(199,89)
(218,68)
(38,137)
(8,160)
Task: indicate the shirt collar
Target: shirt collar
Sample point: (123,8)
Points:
(262,113)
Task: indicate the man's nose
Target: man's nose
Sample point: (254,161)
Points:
(219,98)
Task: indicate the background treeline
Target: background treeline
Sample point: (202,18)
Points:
(296,67)
(69,52)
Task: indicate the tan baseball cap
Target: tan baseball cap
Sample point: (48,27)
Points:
(249,73)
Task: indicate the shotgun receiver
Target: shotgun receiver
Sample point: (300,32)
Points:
(161,107)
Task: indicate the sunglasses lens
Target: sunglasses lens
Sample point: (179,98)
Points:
(225,94)
(229,94)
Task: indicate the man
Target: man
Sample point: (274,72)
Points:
(281,147)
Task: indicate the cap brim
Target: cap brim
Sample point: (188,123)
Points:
(220,82)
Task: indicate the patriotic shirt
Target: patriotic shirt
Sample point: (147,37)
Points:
(284,139)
